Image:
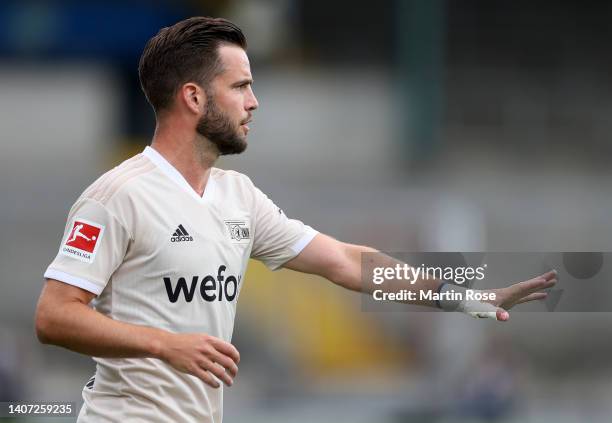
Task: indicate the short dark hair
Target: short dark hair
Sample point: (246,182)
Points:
(186,51)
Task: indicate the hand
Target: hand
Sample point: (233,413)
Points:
(200,355)
(522,292)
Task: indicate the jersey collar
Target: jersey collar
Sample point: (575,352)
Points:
(170,171)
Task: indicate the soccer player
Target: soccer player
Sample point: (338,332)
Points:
(160,244)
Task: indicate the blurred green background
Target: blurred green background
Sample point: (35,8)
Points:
(409,125)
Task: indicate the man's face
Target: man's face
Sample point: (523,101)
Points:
(229,103)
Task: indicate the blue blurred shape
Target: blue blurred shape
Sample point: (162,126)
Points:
(90,29)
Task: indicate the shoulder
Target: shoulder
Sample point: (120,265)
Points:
(107,186)
(231,178)
(236,186)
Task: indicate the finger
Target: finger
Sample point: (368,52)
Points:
(535,284)
(502,315)
(551,274)
(219,371)
(480,310)
(226,349)
(483,314)
(205,377)
(532,297)
(522,289)
(227,362)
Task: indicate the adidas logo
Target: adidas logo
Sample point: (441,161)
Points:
(181,235)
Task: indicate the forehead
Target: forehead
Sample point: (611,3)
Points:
(235,62)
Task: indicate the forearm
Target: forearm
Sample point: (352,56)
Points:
(350,275)
(79,328)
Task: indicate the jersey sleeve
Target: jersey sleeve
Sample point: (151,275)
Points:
(93,246)
(276,238)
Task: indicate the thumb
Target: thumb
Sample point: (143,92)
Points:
(480,310)
(502,315)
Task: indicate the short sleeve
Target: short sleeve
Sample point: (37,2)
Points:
(93,246)
(276,238)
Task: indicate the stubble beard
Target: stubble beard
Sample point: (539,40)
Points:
(217,128)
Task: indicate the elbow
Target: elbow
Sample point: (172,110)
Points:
(346,268)
(343,273)
(337,274)
(348,279)
(43,326)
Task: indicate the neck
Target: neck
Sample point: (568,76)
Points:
(189,152)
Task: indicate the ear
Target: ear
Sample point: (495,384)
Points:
(193,97)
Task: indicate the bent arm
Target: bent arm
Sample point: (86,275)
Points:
(64,318)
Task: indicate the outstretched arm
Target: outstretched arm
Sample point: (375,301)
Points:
(341,263)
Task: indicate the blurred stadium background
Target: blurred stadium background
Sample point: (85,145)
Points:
(415,125)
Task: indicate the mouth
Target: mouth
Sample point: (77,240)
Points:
(249,120)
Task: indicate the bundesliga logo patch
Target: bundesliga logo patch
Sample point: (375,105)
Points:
(83,240)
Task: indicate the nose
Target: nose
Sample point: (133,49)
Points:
(251,102)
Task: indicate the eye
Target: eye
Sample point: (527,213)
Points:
(243,85)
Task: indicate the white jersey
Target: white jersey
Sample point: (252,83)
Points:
(158,254)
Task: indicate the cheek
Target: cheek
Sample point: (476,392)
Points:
(241,99)
(233,104)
